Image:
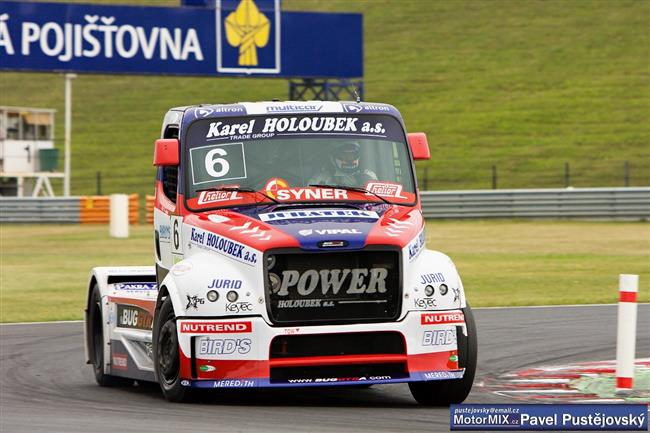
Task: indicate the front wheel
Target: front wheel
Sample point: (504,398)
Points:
(453,391)
(166,354)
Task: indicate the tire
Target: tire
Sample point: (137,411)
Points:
(453,391)
(166,355)
(95,333)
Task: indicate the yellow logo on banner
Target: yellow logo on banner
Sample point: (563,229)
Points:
(248,29)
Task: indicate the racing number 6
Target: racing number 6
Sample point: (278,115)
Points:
(177,237)
(211,162)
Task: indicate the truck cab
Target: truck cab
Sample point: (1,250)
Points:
(290,251)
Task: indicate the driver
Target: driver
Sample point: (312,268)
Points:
(343,167)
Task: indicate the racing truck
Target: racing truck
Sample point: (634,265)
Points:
(290,251)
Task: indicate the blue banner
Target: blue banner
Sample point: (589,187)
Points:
(563,417)
(238,37)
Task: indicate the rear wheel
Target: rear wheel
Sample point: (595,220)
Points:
(95,334)
(167,356)
(453,391)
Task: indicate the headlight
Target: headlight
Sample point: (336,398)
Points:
(443,289)
(212,295)
(428,290)
(270,262)
(275,281)
(232,296)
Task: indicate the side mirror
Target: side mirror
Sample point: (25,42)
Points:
(166,152)
(419,145)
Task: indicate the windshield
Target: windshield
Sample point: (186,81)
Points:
(246,160)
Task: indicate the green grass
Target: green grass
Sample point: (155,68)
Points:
(523,85)
(44,268)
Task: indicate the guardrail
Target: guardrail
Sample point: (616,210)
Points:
(85,209)
(601,203)
(578,203)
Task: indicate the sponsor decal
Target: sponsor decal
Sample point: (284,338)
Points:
(432,278)
(129,316)
(416,245)
(309,232)
(439,337)
(239,307)
(120,361)
(194,302)
(274,184)
(223,283)
(311,194)
(456,294)
(164,232)
(339,379)
(321,213)
(206,197)
(221,129)
(453,358)
(305,303)
(357,108)
(436,375)
(202,112)
(443,318)
(215,327)
(284,108)
(385,189)
(424,303)
(135,286)
(225,346)
(311,124)
(234,383)
(223,246)
(361,280)
(207,368)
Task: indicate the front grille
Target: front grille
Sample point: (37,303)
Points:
(352,343)
(333,288)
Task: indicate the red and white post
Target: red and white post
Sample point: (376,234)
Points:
(626,336)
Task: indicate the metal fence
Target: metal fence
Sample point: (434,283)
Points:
(579,203)
(39,210)
(602,203)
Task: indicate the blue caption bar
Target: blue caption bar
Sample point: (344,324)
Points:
(604,417)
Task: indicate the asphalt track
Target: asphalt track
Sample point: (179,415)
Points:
(46,387)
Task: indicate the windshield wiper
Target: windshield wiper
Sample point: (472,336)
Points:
(238,189)
(350,188)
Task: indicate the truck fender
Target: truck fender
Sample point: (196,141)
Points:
(433,268)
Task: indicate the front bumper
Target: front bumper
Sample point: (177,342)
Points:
(237,353)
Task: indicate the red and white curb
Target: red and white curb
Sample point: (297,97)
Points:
(586,382)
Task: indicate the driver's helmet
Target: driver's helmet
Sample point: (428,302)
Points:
(346,156)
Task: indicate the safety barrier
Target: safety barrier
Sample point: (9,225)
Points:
(85,209)
(38,210)
(96,209)
(149,204)
(580,203)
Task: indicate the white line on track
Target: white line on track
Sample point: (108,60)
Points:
(41,323)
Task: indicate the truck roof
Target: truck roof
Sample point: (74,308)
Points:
(203,111)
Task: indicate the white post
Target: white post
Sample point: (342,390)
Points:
(119,227)
(68,130)
(626,336)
